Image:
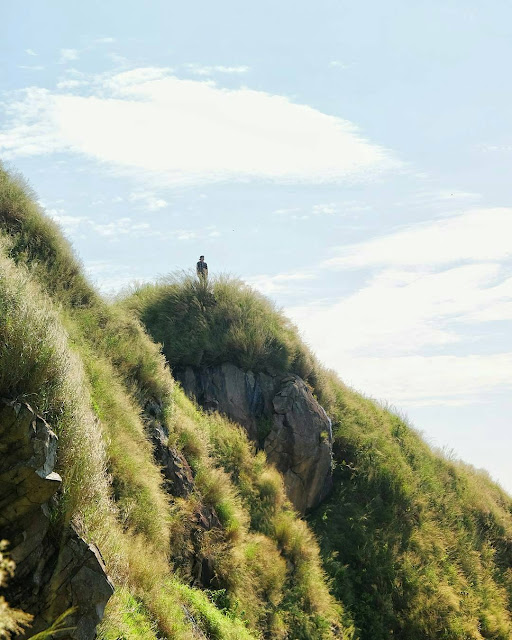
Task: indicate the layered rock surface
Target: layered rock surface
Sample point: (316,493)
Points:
(179,482)
(55,568)
(280,415)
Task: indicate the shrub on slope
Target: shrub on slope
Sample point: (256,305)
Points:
(12,621)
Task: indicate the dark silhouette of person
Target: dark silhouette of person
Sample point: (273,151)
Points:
(202,269)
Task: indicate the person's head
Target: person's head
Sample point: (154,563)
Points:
(201,258)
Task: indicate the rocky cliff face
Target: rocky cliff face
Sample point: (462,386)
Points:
(179,482)
(55,568)
(280,415)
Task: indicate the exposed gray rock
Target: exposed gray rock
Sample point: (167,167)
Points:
(176,470)
(300,444)
(280,415)
(76,579)
(179,482)
(27,457)
(55,568)
(243,396)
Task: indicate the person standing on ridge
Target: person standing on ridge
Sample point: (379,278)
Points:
(202,269)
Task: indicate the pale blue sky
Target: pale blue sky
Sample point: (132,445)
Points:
(351,160)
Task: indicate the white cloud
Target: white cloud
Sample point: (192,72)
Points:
(175,131)
(148,200)
(285,212)
(279,283)
(401,335)
(456,194)
(428,198)
(111,277)
(30,52)
(68,55)
(118,60)
(337,64)
(32,132)
(114,229)
(402,311)
(73,225)
(203,70)
(497,307)
(414,381)
(476,235)
(71,71)
(293,213)
(70,84)
(325,209)
(69,224)
(503,148)
(183,234)
(106,40)
(121,226)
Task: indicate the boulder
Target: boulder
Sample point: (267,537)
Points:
(300,444)
(243,396)
(55,568)
(77,580)
(28,448)
(280,415)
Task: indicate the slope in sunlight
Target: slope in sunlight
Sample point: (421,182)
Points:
(196,533)
(417,546)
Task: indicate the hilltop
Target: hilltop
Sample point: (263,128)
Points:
(177,503)
(417,546)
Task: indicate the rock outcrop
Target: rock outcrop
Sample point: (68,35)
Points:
(243,396)
(280,415)
(178,476)
(179,482)
(55,568)
(300,443)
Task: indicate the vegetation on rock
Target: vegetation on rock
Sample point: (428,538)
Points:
(90,370)
(208,322)
(12,621)
(416,546)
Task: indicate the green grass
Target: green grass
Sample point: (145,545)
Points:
(36,240)
(217,624)
(128,619)
(202,323)
(274,585)
(89,368)
(409,545)
(12,621)
(417,546)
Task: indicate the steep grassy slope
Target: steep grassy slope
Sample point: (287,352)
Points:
(418,547)
(223,321)
(91,370)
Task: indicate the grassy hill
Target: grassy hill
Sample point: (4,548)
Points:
(89,368)
(414,546)
(417,546)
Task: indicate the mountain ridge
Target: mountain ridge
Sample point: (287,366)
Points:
(197,533)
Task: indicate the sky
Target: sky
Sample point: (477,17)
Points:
(350,160)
